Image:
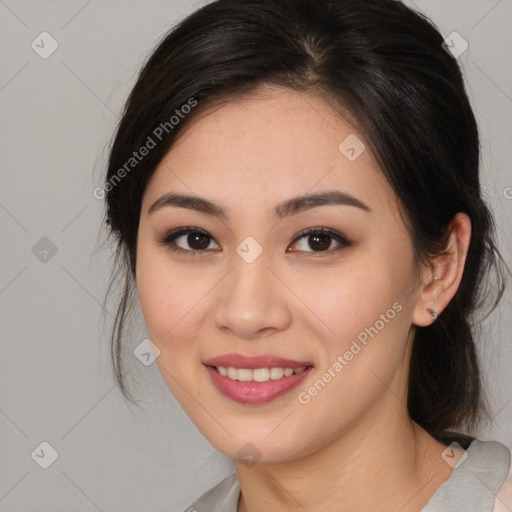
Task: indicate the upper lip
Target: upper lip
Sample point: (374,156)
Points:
(261,361)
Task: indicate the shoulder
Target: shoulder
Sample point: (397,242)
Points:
(488,472)
(484,476)
(503,502)
(223,497)
(476,481)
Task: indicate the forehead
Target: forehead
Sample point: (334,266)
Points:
(259,149)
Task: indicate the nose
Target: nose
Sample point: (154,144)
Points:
(252,300)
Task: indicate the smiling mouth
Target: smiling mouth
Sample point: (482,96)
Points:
(258,374)
(255,383)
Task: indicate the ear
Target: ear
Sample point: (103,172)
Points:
(441,282)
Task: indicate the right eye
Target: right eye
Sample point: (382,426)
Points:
(197,239)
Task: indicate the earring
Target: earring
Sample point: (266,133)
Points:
(432,313)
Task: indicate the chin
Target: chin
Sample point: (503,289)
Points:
(257,449)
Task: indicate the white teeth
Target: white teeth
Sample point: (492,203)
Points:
(258,374)
(276,373)
(244,374)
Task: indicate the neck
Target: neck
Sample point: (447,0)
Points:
(383,464)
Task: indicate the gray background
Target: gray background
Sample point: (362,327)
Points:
(57,117)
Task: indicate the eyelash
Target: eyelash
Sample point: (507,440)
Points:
(169,238)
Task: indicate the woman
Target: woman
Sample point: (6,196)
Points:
(294,192)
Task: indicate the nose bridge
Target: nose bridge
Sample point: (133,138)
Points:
(249,278)
(251,300)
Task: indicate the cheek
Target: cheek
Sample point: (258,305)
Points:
(174,300)
(368,309)
(169,302)
(165,294)
(382,310)
(347,300)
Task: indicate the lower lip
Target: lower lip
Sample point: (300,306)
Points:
(255,392)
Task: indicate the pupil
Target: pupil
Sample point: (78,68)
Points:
(320,237)
(192,239)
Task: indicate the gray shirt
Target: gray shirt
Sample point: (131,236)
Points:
(477,484)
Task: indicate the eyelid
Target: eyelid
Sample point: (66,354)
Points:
(168,238)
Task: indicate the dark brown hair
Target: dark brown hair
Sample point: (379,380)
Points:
(383,65)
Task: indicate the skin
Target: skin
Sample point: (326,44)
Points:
(248,155)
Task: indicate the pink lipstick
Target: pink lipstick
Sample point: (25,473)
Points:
(255,379)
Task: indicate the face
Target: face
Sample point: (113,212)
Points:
(323,284)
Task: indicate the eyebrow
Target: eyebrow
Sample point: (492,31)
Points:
(286,208)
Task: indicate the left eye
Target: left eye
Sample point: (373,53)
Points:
(319,240)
